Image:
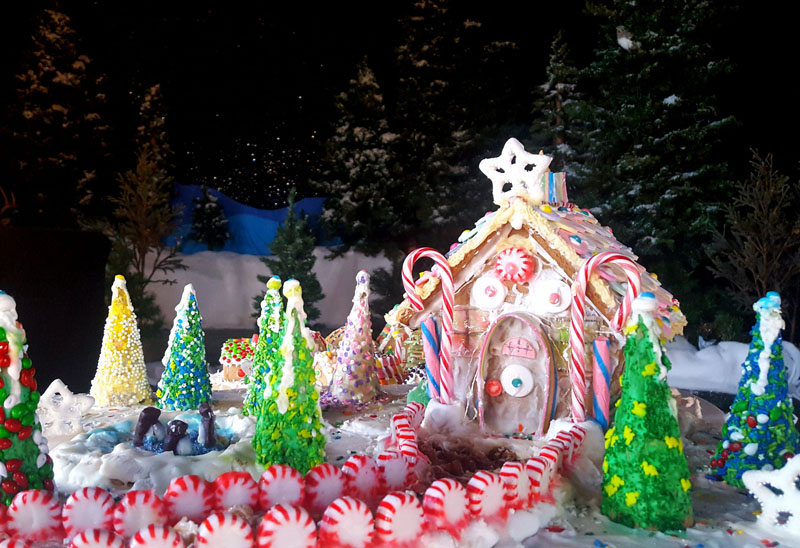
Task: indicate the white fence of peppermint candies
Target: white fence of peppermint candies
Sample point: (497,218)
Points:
(340,500)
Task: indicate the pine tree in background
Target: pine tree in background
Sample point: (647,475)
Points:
(151,130)
(143,218)
(645,473)
(185,383)
(23,451)
(556,107)
(289,427)
(368,201)
(292,256)
(121,378)
(654,127)
(759,433)
(58,136)
(209,224)
(761,247)
(270,323)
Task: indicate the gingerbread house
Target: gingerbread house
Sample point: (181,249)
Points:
(513,282)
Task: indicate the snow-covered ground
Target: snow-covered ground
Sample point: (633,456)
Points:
(226,283)
(717,368)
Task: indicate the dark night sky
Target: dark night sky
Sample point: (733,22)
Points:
(256,73)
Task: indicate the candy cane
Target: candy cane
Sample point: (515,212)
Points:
(577,358)
(601,381)
(448,294)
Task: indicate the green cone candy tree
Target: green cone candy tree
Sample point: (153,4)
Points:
(645,472)
(24,463)
(267,349)
(185,383)
(759,433)
(289,427)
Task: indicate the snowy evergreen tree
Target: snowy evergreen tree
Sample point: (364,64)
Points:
(58,135)
(151,130)
(292,256)
(654,127)
(556,108)
(209,224)
(759,433)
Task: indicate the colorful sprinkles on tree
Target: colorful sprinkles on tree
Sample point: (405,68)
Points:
(759,433)
(270,323)
(289,428)
(24,460)
(185,383)
(121,377)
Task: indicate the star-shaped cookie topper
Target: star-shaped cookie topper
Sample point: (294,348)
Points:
(60,410)
(778,494)
(519,170)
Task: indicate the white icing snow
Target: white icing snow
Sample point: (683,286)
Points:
(770,326)
(180,313)
(15,337)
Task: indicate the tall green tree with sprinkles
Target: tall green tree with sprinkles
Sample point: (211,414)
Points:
(759,433)
(24,463)
(645,473)
(289,427)
(185,383)
(270,323)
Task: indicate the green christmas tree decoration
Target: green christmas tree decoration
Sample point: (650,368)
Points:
(209,224)
(645,472)
(267,349)
(759,433)
(293,255)
(24,463)
(185,383)
(289,427)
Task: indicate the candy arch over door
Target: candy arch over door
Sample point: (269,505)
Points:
(516,381)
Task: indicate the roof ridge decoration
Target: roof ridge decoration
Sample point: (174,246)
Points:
(523,171)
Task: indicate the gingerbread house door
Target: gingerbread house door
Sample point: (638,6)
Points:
(517,377)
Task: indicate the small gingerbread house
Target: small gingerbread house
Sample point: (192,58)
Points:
(513,277)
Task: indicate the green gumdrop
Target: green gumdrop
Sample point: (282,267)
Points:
(28,419)
(3,394)
(774,414)
(26,363)
(18,410)
(739,406)
(4,433)
(419,394)
(2,334)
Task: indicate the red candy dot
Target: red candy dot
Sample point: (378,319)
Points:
(12,425)
(240,373)
(555,298)
(751,421)
(788,455)
(25,433)
(9,487)
(735,446)
(21,479)
(12,465)
(48,484)
(5,443)
(494,387)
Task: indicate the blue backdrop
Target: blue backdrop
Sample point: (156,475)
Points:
(252,229)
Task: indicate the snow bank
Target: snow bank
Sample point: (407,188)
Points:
(225,284)
(717,368)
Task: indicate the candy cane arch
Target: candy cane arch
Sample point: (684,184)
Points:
(577,358)
(448,294)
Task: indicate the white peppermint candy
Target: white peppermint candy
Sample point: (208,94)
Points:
(235,489)
(361,477)
(138,509)
(87,508)
(189,497)
(399,519)
(225,530)
(97,538)
(323,484)
(156,536)
(486,495)
(280,484)
(347,522)
(446,506)
(34,515)
(286,526)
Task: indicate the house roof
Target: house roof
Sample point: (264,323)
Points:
(559,234)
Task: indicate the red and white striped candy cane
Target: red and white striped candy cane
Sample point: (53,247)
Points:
(577,358)
(448,295)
